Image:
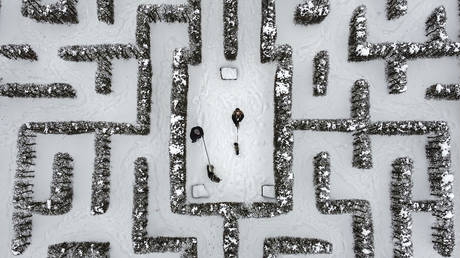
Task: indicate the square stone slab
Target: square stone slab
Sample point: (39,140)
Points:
(268,191)
(199,191)
(228,73)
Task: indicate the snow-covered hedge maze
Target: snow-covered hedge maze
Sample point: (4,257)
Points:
(102,54)
(441,181)
(32,90)
(396,54)
(359,125)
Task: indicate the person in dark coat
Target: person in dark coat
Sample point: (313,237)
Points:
(237,117)
(195,134)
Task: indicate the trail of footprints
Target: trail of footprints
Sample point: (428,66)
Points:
(359,125)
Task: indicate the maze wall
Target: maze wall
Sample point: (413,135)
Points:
(352,117)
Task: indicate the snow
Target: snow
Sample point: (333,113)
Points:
(445,148)
(362,50)
(175,149)
(211,102)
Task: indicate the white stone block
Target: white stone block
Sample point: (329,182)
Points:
(268,191)
(228,73)
(199,191)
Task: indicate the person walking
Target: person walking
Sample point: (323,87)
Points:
(237,117)
(195,134)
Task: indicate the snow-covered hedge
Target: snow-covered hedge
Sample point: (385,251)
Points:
(15,52)
(358,125)
(23,201)
(63,11)
(442,207)
(284,135)
(401,207)
(268,31)
(442,188)
(105,11)
(186,13)
(79,250)
(443,92)
(22,194)
(231,238)
(295,245)
(396,8)
(33,90)
(363,232)
(396,54)
(362,127)
(142,243)
(311,12)
(360,108)
(320,73)
(103,55)
(283,131)
(230,29)
(100,186)
(60,201)
(325,125)
(178,126)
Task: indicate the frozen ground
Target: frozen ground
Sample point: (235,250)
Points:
(211,102)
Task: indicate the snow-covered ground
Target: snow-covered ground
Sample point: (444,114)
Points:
(210,104)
